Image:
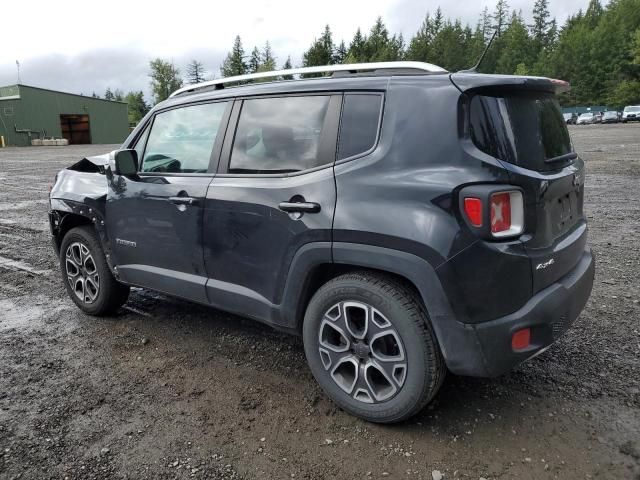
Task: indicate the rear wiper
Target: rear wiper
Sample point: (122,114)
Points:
(562,158)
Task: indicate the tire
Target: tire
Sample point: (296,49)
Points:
(411,358)
(93,288)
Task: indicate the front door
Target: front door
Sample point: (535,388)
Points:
(154,219)
(275,192)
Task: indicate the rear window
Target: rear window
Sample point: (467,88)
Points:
(359,125)
(526,129)
(279,135)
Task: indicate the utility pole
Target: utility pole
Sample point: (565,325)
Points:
(18,67)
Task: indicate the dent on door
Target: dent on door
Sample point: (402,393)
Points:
(156,225)
(253,228)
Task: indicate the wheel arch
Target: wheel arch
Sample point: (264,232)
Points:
(309,272)
(66,214)
(62,222)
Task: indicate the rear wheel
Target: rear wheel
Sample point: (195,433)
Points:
(370,346)
(86,275)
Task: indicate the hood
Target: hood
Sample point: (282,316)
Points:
(96,163)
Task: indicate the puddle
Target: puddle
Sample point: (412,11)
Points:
(9,264)
(20,205)
(14,315)
(25,311)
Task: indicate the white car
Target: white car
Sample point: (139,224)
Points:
(631,113)
(587,118)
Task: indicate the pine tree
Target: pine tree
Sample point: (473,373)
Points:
(420,45)
(195,72)
(540,20)
(108,95)
(500,20)
(137,107)
(340,53)
(321,52)
(118,95)
(267,60)
(356,52)
(438,21)
(254,61)
(287,66)
(541,24)
(517,49)
(378,46)
(165,79)
(593,13)
(234,63)
(485,25)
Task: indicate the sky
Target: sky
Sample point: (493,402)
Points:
(86,46)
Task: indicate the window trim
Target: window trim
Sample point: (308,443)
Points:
(378,128)
(328,141)
(216,149)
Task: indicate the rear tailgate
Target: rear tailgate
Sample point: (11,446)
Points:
(518,121)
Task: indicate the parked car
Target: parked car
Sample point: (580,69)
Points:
(610,116)
(570,118)
(587,118)
(403,220)
(631,113)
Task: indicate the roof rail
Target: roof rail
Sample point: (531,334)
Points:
(350,68)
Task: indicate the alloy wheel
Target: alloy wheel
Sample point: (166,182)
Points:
(82,272)
(362,352)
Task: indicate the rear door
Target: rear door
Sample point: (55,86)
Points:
(274,193)
(526,131)
(154,218)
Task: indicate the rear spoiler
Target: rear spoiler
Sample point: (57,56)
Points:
(472,81)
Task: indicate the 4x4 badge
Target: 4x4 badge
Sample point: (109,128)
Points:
(542,266)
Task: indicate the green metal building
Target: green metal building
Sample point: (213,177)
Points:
(28,113)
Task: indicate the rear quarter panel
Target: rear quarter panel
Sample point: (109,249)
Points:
(404,196)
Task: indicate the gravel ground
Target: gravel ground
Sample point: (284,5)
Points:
(168,389)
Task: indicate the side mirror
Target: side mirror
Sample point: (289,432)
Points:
(126,162)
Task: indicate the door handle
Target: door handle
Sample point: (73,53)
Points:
(183,200)
(300,207)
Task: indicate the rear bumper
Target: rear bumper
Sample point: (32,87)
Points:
(548,314)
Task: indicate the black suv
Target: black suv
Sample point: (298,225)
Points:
(404,220)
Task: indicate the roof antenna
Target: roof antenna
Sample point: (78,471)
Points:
(474,69)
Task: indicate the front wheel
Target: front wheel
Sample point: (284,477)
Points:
(86,275)
(370,346)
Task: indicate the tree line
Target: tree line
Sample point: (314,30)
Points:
(596,50)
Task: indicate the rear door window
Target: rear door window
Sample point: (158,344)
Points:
(359,124)
(280,135)
(526,129)
(181,140)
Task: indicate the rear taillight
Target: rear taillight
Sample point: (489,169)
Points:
(473,209)
(507,213)
(493,212)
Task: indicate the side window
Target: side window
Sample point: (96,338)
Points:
(279,135)
(359,125)
(142,139)
(181,139)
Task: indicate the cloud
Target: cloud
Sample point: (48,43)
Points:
(95,71)
(87,47)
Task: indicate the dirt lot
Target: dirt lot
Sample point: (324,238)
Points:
(167,389)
